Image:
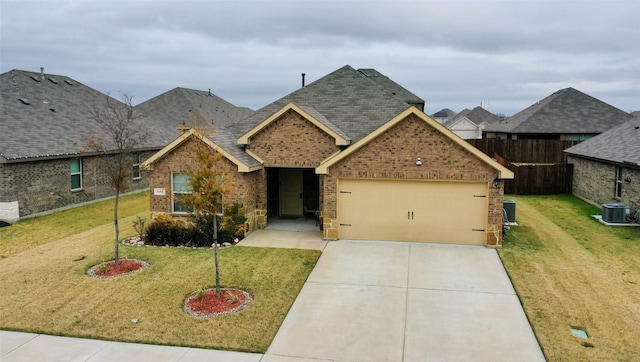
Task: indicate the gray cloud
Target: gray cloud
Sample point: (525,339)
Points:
(456,54)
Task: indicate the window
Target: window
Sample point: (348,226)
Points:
(618,182)
(75,168)
(135,164)
(180,186)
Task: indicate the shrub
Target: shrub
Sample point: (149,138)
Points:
(164,230)
(234,221)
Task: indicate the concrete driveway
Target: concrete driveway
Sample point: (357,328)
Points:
(391,301)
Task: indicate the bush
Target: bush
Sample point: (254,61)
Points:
(233,221)
(164,230)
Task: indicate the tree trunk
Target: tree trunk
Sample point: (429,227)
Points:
(215,248)
(115,223)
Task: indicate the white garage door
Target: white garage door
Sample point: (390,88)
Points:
(428,211)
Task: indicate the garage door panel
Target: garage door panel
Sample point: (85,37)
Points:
(444,212)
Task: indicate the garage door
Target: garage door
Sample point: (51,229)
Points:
(428,211)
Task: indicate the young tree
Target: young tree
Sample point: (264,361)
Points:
(120,132)
(205,182)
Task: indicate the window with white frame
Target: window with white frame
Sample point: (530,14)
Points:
(180,187)
(135,165)
(618,182)
(75,168)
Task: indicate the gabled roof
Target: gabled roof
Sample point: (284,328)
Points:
(618,145)
(168,111)
(477,116)
(352,104)
(308,113)
(244,162)
(44,115)
(563,112)
(503,172)
(444,113)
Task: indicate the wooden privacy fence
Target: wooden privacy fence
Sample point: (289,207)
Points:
(539,179)
(539,166)
(530,151)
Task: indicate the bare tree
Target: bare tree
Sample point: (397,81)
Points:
(120,133)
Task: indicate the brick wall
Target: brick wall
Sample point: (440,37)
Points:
(292,141)
(249,189)
(42,186)
(595,182)
(393,154)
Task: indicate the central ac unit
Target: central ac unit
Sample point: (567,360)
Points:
(615,213)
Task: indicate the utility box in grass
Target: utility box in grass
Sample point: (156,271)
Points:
(510,207)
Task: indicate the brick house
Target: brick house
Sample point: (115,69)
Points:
(358,150)
(44,122)
(606,168)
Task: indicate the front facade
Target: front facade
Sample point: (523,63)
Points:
(372,165)
(607,167)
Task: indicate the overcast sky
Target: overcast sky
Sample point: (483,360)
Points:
(503,55)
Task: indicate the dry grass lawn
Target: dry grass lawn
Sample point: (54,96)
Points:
(44,289)
(571,271)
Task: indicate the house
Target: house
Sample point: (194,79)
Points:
(356,150)
(567,114)
(469,124)
(44,162)
(443,115)
(606,168)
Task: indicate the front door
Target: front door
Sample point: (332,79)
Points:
(291,192)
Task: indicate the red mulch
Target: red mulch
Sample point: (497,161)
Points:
(124,267)
(210,306)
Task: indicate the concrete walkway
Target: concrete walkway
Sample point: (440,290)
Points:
(364,300)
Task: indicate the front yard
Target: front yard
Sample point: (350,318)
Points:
(44,288)
(572,272)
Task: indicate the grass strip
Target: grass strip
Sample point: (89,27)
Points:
(571,271)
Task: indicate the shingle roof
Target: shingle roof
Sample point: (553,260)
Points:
(620,144)
(173,108)
(444,113)
(351,102)
(477,115)
(55,121)
(393,87)
(565,111)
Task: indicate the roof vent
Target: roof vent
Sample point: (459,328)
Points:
(52,80)
(24,101)
(52,109)
(68,82)
(35,78)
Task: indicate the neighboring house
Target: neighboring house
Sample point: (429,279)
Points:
(567,114)
(607,167)
(44,162)
(443,115)
(355,151)
(469,124)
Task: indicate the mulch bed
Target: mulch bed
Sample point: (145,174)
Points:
(208,306)
(138,241)
(109,269)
